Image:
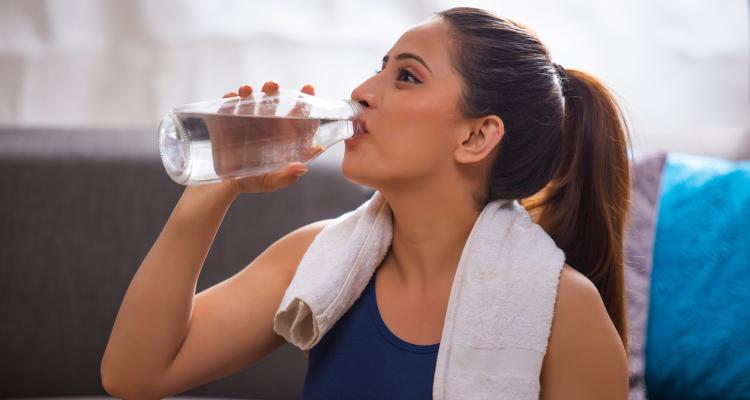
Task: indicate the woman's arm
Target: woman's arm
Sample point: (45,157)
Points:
(585,357)
(155,312)
(159,307)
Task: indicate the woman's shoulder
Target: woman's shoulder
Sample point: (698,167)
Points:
(575,285)
(585,357)
(308,232)
(293,246)
(303,236)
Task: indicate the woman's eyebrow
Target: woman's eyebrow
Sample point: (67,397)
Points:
(403,56)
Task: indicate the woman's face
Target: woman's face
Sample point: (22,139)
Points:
(411,113)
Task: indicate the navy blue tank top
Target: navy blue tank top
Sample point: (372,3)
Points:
(360,358)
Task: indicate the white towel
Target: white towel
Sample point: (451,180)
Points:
(500,309)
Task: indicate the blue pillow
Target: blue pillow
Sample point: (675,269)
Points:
(698,334)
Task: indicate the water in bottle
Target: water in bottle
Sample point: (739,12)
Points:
(230,138)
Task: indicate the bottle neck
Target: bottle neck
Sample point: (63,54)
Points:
(355,108)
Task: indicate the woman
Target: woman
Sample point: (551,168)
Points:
(468,108)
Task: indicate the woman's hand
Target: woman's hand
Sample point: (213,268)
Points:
(283,177)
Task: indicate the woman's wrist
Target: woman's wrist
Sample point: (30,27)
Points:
(216,196)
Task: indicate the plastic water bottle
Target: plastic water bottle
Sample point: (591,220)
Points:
(236,137)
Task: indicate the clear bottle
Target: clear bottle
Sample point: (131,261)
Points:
(236,137)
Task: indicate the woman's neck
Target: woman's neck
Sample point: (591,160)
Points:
(429,234)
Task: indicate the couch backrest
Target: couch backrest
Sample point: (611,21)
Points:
(78,216)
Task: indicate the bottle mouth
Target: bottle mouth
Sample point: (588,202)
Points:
(357,125)
(174,147)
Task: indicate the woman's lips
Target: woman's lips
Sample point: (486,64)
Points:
(360,129)
(362,126)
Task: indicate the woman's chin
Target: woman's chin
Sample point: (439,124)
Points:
(356,172)
(349,169)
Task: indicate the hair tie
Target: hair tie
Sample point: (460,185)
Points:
(562,74)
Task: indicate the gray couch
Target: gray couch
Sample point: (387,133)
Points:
(81,208)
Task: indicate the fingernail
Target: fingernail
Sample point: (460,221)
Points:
(301,172)
(308,89)
(245,91)
(270,86)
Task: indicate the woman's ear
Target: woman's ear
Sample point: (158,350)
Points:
(482,137)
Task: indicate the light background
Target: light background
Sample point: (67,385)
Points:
(679,67)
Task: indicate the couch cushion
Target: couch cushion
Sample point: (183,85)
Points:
(698,343)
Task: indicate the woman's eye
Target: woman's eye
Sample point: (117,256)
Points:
(404,73)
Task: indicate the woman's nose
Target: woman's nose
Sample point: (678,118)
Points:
(363,96)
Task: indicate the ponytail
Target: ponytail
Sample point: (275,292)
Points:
(585,206)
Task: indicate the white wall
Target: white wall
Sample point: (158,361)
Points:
(680,67)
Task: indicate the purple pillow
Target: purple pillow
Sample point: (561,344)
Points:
(645,176)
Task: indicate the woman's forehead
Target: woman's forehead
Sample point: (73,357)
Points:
(429,41)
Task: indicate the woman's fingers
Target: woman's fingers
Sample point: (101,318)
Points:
(305,129)
(301,109)
(267,105)
(228,106)
(285,177)
(272,181)
(246,105)
(242,103)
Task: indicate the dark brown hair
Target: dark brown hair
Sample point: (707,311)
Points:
(564,154)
